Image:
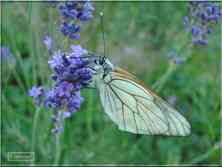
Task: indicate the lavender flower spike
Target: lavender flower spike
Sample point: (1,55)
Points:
(5,52)
(74,12)
(7,57)
(202,14)
(175,58)
(37,93)
(47,40)
(70,74)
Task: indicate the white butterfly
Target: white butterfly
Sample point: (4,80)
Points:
(132,106)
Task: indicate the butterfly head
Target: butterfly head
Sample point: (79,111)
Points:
(100,66)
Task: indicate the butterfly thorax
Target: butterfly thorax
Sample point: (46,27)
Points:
(101,71)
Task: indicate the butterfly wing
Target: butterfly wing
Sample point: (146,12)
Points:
(136,109)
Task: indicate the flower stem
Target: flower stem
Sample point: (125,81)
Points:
(35,122)
(89,114)
(58,149)
(36,117)
(57,139)
(207,154)
(158,85)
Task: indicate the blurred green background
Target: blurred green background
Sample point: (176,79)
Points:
(139,35)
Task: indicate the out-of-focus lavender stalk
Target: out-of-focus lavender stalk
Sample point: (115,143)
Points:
(7,56)
(73,13)
(202,16)
(200,20)
(8,64)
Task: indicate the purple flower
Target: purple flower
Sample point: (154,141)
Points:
(70,74)
(71,30)
(67,114)
(80,10)
(64,100)
(37,93)
(172,100)
(196,31)
(5,52)
(68,10)
(47,41)
(202,14)
(57,130)
(7,57)
(175,58)
(56,60)
(86,13)
(72,13)
(200,41)
(71,67)
(77,51)
(186,23)
(75,102)
(64,89)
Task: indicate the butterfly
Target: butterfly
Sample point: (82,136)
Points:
(131,105)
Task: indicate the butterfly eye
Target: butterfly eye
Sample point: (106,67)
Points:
(104,60)
(96,61)
(101,62)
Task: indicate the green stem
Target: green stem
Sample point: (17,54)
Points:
(35,122)
(36,118)
(206,155)
(19,81)
(158,85)
(32,47)
(89,113)
(58,138)
(58,149)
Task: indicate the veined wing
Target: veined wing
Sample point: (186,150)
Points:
(136,109)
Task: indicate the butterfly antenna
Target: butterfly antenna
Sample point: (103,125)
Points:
(103,34)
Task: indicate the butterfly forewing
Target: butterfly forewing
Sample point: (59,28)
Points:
(136,109)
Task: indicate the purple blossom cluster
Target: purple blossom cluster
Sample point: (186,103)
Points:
(37,94)
(71,66)
(202,14)
(70,74)
(7,58)
(5,52)
(74,12)
(48,42)
(175,58)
